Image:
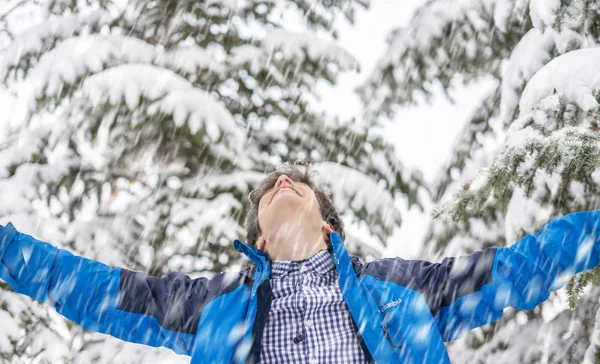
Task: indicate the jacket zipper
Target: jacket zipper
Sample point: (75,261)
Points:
(387,335)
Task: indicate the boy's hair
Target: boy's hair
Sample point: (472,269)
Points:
(298,171)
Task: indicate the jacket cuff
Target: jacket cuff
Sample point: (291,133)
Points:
(7,234)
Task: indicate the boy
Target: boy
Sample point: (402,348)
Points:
(304,299)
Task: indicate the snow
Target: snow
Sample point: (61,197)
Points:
(190,59)
(438,16)
(205,184)
(455,33)
(534,342)
(529,213)
(518,137)
(543,12)
(574,75)
(199,109)
(40,37)
(294,46)
(254,60)
(592,351)
(200,216)
(284,46)
(130,82)
(16,190)
(360,239)
(525,214)
(20,148)
(501,14)
(354,190)
(567,89)
(87,95)
(431,20)
(172,93)
(79,56)
(532,52)
(138,84)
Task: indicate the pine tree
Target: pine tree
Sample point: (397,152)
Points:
(529,153)
(139,128)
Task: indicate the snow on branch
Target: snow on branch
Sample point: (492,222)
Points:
(281,47)
(200,110)
(556,132)
(575,75)
(533,51)
(255,60)
(353,190)
(202,216)
(443,39)
(206,185)
(42,37)
(78,56)
(479,128)
(543,12)
(17,191)
(190,60)
(130,82)
(294,46)
(167,93)
(21,148)
(9,7)
(574,148)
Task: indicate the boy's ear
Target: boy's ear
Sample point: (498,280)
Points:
(260,243)
(327,227)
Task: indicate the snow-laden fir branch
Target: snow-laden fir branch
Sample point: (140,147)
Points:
(575,149)
(444,39)
(575,75)
(353,191)
(72,59)
(42,37)
(190,60)
(167,93)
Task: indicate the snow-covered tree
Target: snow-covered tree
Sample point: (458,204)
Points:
(529,153)
(135,130)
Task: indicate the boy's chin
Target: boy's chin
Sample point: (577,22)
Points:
(287,202)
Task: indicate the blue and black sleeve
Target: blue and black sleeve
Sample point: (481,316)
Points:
(471,291)
(129,305)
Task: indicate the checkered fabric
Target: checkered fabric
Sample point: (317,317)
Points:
(309,321)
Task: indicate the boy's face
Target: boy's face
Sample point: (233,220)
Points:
(287,207)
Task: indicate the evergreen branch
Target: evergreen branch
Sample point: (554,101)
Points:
(574,148)
(13,8)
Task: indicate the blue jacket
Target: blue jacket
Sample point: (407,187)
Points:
(404,310)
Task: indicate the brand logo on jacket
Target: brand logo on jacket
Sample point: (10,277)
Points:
(390,304)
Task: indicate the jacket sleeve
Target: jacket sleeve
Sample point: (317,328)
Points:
(128,305)
(471,291)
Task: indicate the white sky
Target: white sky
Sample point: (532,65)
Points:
(423,135)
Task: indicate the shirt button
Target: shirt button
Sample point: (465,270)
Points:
(313,361)
(308,323)
(303,268)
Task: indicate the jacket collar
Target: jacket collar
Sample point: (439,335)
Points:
(256,256)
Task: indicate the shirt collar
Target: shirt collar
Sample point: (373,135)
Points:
(320,263)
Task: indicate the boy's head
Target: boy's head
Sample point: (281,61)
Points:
(277,213)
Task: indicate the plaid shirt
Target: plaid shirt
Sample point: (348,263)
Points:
(309,321)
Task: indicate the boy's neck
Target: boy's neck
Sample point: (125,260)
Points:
(298,247)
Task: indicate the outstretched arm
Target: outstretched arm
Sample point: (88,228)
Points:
(128,305)
(471,291)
